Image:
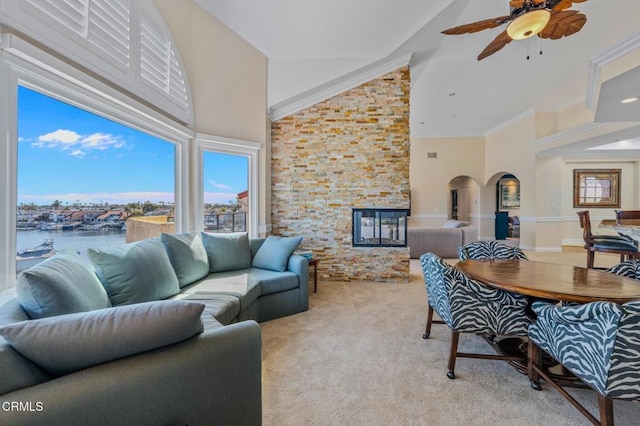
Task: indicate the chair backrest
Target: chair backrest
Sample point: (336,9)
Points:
(628,268)
(585,224)
(627,214)
(490,250)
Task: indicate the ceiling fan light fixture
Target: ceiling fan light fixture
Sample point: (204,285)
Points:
(528,24)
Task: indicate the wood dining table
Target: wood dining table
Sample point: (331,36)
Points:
(553,282)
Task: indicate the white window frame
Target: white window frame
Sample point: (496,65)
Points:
(250,150)
(24,64)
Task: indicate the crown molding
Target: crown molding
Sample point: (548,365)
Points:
(569,133)
(617,51)
(337,86)
(510,122)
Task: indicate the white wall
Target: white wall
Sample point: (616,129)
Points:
(228,76)
(430,177)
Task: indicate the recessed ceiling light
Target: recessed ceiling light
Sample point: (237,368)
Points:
(629,100)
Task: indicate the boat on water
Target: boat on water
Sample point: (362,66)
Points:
(50,226)
(27,258)
(42,251)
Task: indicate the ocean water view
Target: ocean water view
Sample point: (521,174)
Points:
(76,241)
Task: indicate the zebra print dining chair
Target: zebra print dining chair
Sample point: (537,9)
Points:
(490,250)
(629,268)
(598,342)
(468,306)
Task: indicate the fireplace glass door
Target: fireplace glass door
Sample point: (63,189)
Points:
(380,227)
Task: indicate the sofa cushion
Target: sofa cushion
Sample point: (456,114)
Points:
(451,223)
(227,252)
(187,256)
(135,272)
(67,343)
(272,281)
(236,283)
(219,309)
(274,253)
(62,284)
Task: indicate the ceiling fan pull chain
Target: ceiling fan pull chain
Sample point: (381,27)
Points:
(540,46)
(528,44)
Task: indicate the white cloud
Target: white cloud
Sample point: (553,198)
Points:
(79,145)
(98,197)
(219,185)
(219,197)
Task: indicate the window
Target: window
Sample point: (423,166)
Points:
(81,176)
(227,176)
(28,71)
(226,198)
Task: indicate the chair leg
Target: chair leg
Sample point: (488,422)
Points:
(535,359)
(606,410)
(453,350)
(590,258)
(427,329)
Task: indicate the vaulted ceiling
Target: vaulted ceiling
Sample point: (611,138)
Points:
(310,43)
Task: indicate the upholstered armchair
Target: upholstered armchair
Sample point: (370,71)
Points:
(468,306)
(490,250)
(598,342)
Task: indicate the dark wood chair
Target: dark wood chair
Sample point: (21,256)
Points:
(605,243)
(626,215)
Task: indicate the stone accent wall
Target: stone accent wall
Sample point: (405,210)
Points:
(145,227)
(350,151)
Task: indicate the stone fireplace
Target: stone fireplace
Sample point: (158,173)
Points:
(349,151)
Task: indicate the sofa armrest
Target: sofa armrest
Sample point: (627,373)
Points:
(214,377)
(469,234)
(299,265)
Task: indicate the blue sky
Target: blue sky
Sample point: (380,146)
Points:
(68,154)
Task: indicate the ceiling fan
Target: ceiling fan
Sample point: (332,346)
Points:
(544,18)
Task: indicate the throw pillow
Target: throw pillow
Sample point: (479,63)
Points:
(62,284)
(453,224)
(227,252)
(135,272)
(67,343)
(187,256)
(274,253)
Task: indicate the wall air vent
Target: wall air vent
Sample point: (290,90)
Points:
(432,155)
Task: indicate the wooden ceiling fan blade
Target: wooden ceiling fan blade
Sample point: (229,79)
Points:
(498,43)
(474,27)
(563,4)
(563,24)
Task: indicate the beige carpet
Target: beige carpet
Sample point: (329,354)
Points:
(357,358)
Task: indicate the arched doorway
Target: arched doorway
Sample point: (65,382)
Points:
(507,206)
(463,199)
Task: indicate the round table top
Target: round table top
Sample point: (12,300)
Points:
(552,281)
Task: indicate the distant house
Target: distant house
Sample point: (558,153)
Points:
(243,201)
(113,216)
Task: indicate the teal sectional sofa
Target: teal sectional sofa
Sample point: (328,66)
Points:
(161,331)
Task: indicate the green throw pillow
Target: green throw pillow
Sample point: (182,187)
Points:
(135,272)
(274,253)
(62,284)
(187,255)
(66,343)
(227,252)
